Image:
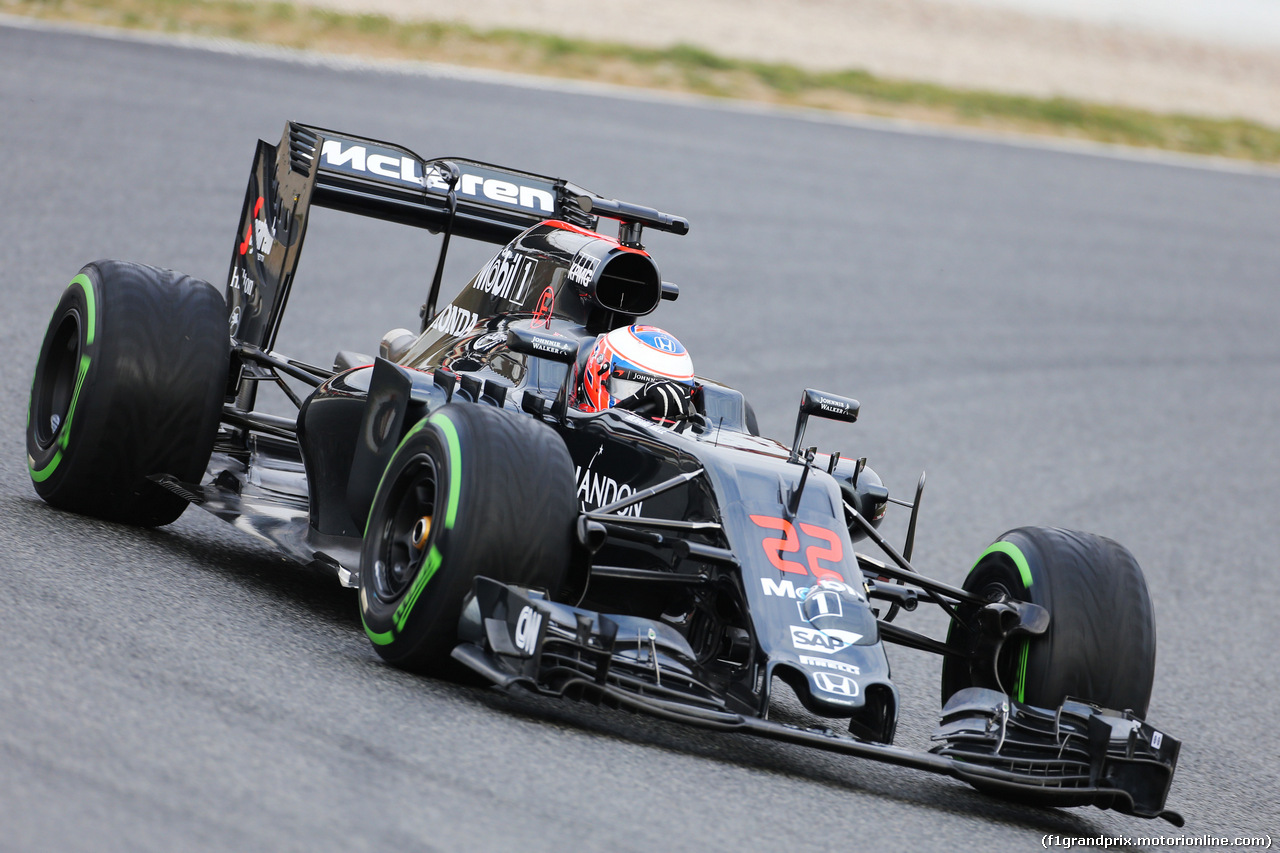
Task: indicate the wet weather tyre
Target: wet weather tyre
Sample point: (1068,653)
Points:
(1101,642)
(471,490)
(129,383)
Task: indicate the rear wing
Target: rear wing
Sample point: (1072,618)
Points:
(314,166)
(494,203)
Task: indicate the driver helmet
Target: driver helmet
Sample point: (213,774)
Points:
(627,360)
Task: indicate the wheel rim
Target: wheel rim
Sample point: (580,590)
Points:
(55,388)
(402,543)
(1011,665)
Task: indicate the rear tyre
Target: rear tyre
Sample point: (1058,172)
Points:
(129,383)
(1101,642)
(471,490)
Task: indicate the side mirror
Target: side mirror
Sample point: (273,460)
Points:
(831,406)
(552,348)
(822,405)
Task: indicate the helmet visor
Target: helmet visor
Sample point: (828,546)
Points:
(622,389)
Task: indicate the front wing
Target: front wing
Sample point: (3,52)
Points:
(1075,755)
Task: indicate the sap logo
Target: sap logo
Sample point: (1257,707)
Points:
(812,640)
(583,269)
(782,589)
(527,627)
(507,276)
(240,281)
(830,664)
(831,683)
(453,320)
(597,490)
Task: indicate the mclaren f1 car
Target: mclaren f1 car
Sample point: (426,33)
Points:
(534,487)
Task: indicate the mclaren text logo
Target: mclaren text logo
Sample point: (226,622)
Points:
(397,166)
(453,320)
(527,627)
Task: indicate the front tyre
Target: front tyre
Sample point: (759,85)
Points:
(1100,646)
(129,383)
(471,490)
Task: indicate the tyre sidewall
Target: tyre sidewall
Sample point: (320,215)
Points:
(431,617)
(54,463)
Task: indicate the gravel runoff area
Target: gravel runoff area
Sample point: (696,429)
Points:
(953,43)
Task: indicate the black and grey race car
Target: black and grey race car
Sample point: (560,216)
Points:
(493,525)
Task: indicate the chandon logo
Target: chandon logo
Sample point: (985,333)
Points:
(597,490)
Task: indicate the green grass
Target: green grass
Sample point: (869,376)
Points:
(684,68)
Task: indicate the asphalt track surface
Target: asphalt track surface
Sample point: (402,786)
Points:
(1059,338)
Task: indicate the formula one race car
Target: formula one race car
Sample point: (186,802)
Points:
(537,489)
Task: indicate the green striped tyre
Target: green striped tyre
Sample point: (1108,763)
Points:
(129,383)
(1100,646)
(471,490)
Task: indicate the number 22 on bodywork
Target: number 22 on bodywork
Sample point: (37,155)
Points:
(789,543)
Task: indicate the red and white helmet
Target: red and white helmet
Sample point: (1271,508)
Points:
(625,360)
